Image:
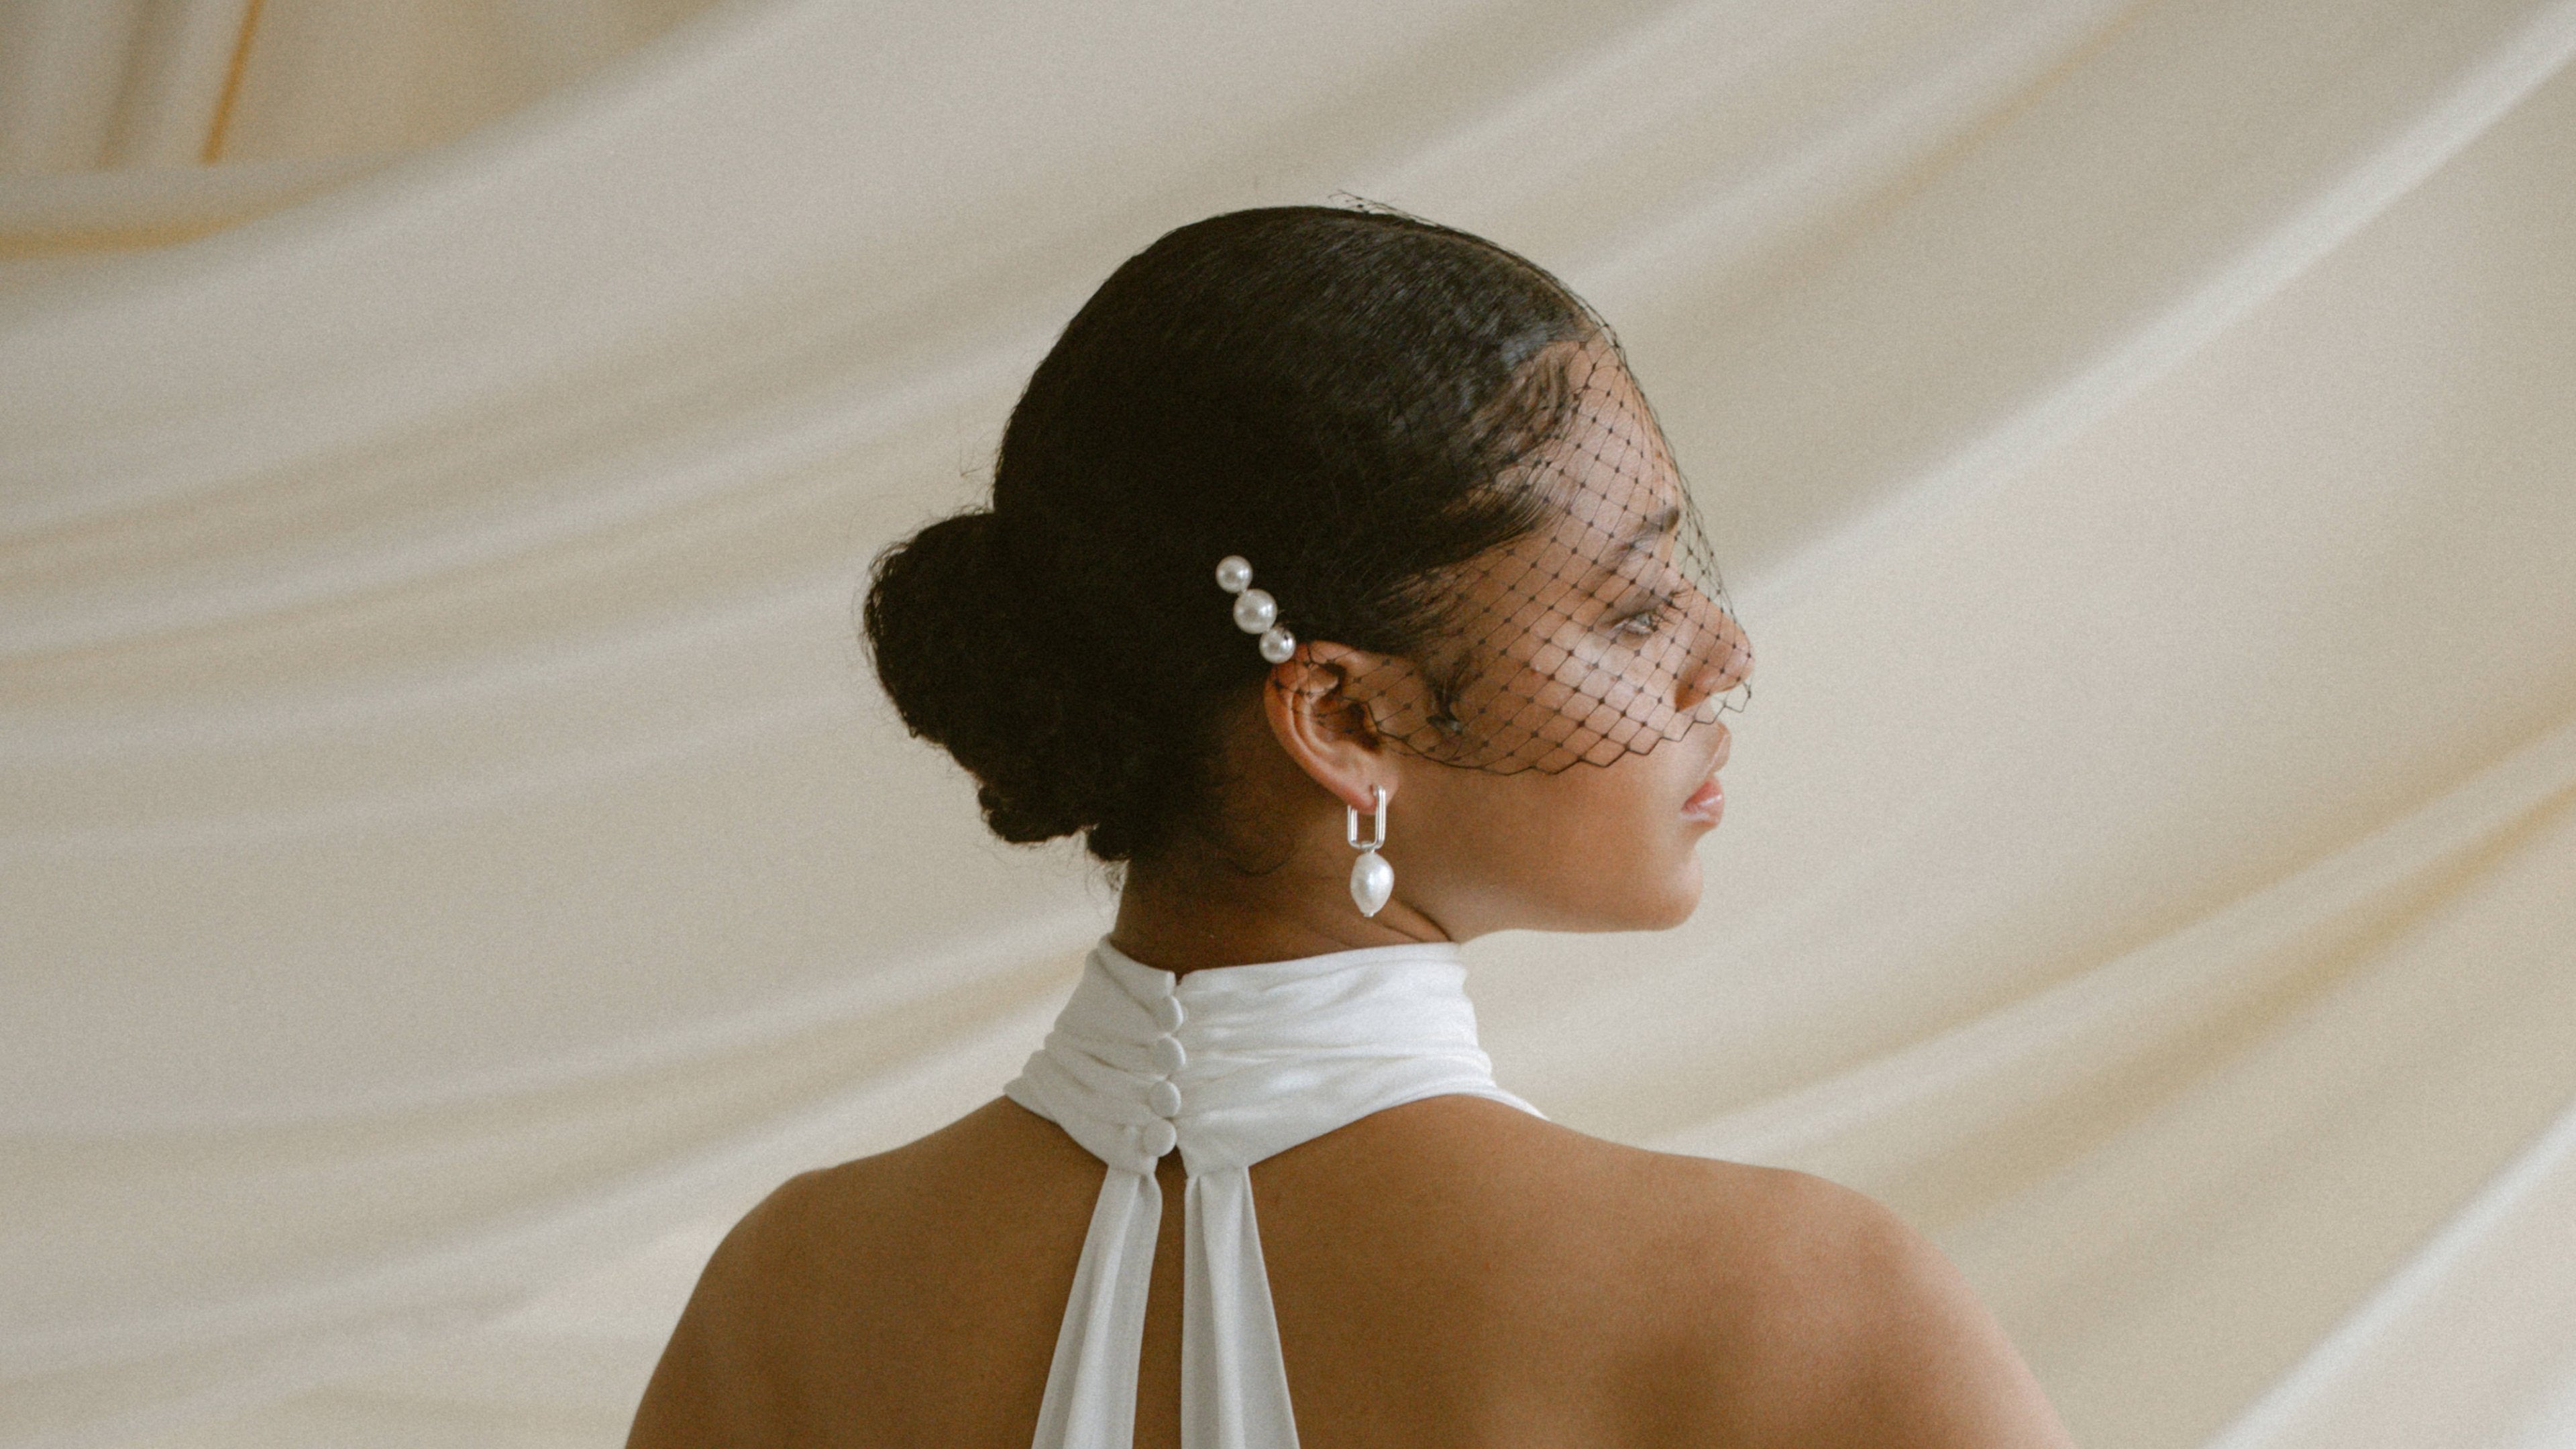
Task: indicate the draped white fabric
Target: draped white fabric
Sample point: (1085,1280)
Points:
(1232,1066)
(452,859)
(138,122)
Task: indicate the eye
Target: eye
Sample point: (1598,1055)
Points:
(1643,623)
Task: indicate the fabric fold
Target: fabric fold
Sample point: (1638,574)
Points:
(1227,1066)
(1234,1379)
(1092,1381)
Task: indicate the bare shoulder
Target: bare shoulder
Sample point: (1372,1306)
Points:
(1713,1302)
(1812,1314)
(795,1249)
(728,1373)
(875,1262)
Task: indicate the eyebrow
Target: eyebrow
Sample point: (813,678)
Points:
(1657,524)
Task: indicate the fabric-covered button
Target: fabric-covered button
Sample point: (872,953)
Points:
(1158,1137)
(1164,1098)
(1167,1055)
(1168,1013)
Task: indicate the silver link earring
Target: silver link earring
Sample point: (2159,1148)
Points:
(1372,879)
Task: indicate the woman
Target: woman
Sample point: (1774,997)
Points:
(1339,586)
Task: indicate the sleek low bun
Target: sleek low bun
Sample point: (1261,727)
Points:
(950,629)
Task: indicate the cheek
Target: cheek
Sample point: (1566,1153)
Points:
(1624,817)
(1646,863)
(1587,848)
(1603,832)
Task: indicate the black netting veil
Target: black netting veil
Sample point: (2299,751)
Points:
(1602,630)
(1455,526)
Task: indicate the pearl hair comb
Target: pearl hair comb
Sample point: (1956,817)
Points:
(1255,612)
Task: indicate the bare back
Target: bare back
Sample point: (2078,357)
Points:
(1450,1272)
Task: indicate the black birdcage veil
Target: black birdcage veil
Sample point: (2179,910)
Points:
(1603,633)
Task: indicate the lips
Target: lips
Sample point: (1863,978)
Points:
(1708,802)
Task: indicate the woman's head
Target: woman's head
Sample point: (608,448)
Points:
(1433,457)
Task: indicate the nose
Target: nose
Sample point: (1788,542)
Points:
(1722,660)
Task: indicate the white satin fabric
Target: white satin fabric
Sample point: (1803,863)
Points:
(1231,1065)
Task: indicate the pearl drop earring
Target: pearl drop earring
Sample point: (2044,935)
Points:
(1255,612)
(1372,879)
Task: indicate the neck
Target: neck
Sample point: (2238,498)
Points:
(1187,913)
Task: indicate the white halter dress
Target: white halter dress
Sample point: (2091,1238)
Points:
(1231,1064)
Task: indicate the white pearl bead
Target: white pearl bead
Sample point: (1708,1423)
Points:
(1254,610)
(1278,645)
(1372,881)
(1233,573)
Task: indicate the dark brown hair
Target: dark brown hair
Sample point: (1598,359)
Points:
(1336,395)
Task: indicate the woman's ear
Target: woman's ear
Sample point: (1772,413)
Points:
(1323,725)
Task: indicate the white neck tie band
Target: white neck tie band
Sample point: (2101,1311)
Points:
(1232,1064)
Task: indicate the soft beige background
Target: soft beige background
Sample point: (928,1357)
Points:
(453,859)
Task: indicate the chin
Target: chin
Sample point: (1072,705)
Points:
(1663,909)
(1681,907)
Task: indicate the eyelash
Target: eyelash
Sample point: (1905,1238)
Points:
(1653,613)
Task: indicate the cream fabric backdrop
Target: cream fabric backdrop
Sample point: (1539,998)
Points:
(455,859)
(130,123)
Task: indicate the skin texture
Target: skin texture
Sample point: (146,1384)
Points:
(1450,1272)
